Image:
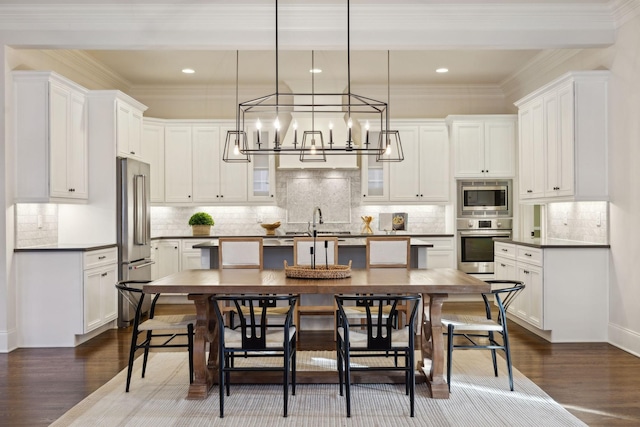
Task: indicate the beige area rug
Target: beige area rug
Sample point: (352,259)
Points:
(477,399)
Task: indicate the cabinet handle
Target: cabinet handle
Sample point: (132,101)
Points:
(504,250)
(502,265)
(102,257)
(103,274)
(529,191)
(525,271)
(527,254)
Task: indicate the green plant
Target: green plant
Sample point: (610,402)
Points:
(201,218)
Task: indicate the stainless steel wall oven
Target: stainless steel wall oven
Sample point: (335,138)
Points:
(475,242)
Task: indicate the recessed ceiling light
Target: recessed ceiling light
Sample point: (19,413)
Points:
(442,70)
(188,71)
(315,70)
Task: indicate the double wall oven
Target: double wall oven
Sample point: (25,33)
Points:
(484,214)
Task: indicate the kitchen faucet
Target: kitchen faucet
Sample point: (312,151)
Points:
(315,233)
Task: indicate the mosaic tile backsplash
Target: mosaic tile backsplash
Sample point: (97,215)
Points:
(579,221)
(36,225)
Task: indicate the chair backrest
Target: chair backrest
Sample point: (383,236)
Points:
(504,292)
(131,291)
(240,252)
(252,314)
(379,320)
(326,250)
(388,251)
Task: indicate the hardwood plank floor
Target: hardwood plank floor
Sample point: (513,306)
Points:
(596,382)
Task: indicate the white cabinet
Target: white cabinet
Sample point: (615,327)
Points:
(65,297)
(483,146)
(566,288)
(194,169)
(261,173)
(51,138)
(100,277)
(129,128)
(153,153)
(168,257)
(423,175)
(442,254)
(190,257)
(563,139)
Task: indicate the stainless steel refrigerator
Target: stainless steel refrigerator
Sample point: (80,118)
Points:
(134,229)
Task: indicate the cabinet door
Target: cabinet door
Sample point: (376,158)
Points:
(153,153)
(532,163)
(404,177)
(505,269)
(178,170)
(565,151)
(168,257)
(123,111)
(530,306)
(468,140)
(59,128)
(206,163)
(77,155)
(499,148)
(434,163)
(135,133)
(233,176)
(100,296)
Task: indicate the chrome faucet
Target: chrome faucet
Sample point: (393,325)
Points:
(314,233)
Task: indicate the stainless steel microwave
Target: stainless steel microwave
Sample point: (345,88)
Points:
(486,198)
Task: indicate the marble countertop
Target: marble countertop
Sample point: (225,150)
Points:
(554,243)
(277,237)
(69,247)
(288,241)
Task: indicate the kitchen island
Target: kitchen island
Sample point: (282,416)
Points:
(276,250)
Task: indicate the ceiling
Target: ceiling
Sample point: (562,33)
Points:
(160,68)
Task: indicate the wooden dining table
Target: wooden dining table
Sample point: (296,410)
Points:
(435,284)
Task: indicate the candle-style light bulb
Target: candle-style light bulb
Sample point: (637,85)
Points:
(349,125)
(388,150)
(276,125)
(295,133)
(366,127)
(236,149)
(313,146)
(258,127)
(330,132)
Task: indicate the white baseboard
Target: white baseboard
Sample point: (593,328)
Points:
(625,339)
(8,341)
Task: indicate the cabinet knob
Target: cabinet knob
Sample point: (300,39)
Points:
(421,195)
(417,195)
(271,195)
(364,195)
(222,195)
(529,191)
(133,152)
(189,196)
(217,195)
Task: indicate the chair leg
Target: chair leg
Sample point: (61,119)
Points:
(293,369)
(493,355)
(340,362)
(222,363)
(507,351)
(132,352)
(449,354)
(285,379)
(347,380)
(147,343)
(412,382)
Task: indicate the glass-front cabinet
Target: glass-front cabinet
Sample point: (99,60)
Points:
(262,177)
(375,175)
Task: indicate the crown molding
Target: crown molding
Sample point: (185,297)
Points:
(624,10)
(406,26)
(91,69)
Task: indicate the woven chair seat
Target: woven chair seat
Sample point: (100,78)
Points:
(168,322)
(463,322)
(274,338)
(358,338)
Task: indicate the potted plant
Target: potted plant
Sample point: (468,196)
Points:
(201,223)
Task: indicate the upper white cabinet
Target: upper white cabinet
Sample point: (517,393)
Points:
(194,169)
(51,138)
(129,127)
(262,172)
(423,175)
(153,153)
(563,139)
(483,146)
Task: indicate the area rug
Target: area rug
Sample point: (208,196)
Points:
(477,399)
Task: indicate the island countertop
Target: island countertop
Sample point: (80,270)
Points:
(288,241)
(545,243)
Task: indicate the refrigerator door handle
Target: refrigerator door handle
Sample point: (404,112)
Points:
(140,210)
(145,264)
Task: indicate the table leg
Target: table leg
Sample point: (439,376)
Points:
(432,346)
(205,332)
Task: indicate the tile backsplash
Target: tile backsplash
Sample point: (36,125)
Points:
(579,221)
(36,224)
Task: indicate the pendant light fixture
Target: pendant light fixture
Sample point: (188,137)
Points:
(235,145)
(273,106)
(389,144)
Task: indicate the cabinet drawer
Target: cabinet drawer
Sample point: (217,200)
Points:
(529,255)
(506,250)
(439,243)
(100,257)
(187,244)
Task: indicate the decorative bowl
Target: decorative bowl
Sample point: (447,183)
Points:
(271,228)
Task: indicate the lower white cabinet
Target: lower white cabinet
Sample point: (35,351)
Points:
(442,254)
(65,297)
(566,288)
(190,257)
(168,257)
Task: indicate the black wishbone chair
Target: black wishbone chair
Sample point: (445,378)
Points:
(157,331)
(253,337)
(376,336)
(479,332)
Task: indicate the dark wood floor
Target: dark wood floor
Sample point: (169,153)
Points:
(598,383)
